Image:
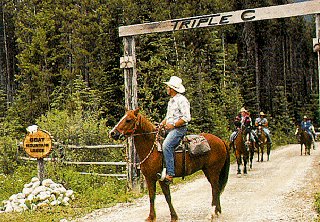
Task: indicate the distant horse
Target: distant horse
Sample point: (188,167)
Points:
(244,149)
(263,142)
(305,139)
(215,163)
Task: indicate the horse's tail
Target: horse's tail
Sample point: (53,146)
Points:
(224,173)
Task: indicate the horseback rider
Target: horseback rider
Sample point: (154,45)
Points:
(308,126)
(262,120)
(175,123)
(243,119)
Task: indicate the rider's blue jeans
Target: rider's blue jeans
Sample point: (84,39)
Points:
(171,141)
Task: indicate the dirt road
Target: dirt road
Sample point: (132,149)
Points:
(281,189)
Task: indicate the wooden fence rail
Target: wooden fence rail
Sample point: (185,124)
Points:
(102,163)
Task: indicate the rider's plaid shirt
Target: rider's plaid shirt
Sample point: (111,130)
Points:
(178,107)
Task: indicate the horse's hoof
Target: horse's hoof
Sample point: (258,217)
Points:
(149,219)
(175,219)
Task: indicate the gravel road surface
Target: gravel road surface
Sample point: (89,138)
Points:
(281,189)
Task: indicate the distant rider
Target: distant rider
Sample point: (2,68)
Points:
(243,119)
(307,125)
(262,120)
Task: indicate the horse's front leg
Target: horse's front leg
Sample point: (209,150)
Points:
(151,183)
(239,163)
(262,152)
(258,150)
(251,154)
(166,191)
(245,161)
(268,151)
(301,148)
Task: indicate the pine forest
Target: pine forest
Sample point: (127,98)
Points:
(59,68)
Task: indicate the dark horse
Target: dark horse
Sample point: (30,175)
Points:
(244,148)
(305,139)
(263,142)
(215,163)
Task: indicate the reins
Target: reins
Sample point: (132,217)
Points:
(151,150)
(141,134)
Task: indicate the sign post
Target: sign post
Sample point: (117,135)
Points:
(38,144)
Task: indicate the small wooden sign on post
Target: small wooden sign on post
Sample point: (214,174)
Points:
(38,144)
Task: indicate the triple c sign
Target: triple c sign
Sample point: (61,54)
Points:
(213,20)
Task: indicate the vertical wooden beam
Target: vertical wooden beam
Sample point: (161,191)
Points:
(128,63)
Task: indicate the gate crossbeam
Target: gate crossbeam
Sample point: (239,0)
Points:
(240,16)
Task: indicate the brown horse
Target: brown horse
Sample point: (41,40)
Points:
(244,149)
(215,163)
(263,142)
(305,139)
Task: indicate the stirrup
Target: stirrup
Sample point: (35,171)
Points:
(162,175)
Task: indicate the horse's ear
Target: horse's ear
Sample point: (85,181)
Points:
(136,111)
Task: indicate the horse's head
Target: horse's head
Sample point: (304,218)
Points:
(245,129)
(126,126)
(299,130)
(259,129)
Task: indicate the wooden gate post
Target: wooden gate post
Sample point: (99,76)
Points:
(128,63)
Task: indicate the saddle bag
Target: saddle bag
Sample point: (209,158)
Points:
(197,145)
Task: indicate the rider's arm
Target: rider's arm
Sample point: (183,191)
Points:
(266,124)
(179,123)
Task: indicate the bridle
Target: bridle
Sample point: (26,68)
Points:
(260,130)
(131,133)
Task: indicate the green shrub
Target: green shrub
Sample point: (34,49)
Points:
(13,183)
(317,202)
(8,152)
(75,128)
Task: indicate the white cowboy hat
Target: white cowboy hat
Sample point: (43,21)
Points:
(305,117)
(262,114)
(243,110)
(176,83)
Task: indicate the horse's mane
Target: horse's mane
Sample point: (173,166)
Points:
(145,124)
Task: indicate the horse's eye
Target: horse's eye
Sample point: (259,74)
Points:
(128,120)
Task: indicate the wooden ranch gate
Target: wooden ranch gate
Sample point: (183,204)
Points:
(128,61)
(67,148)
